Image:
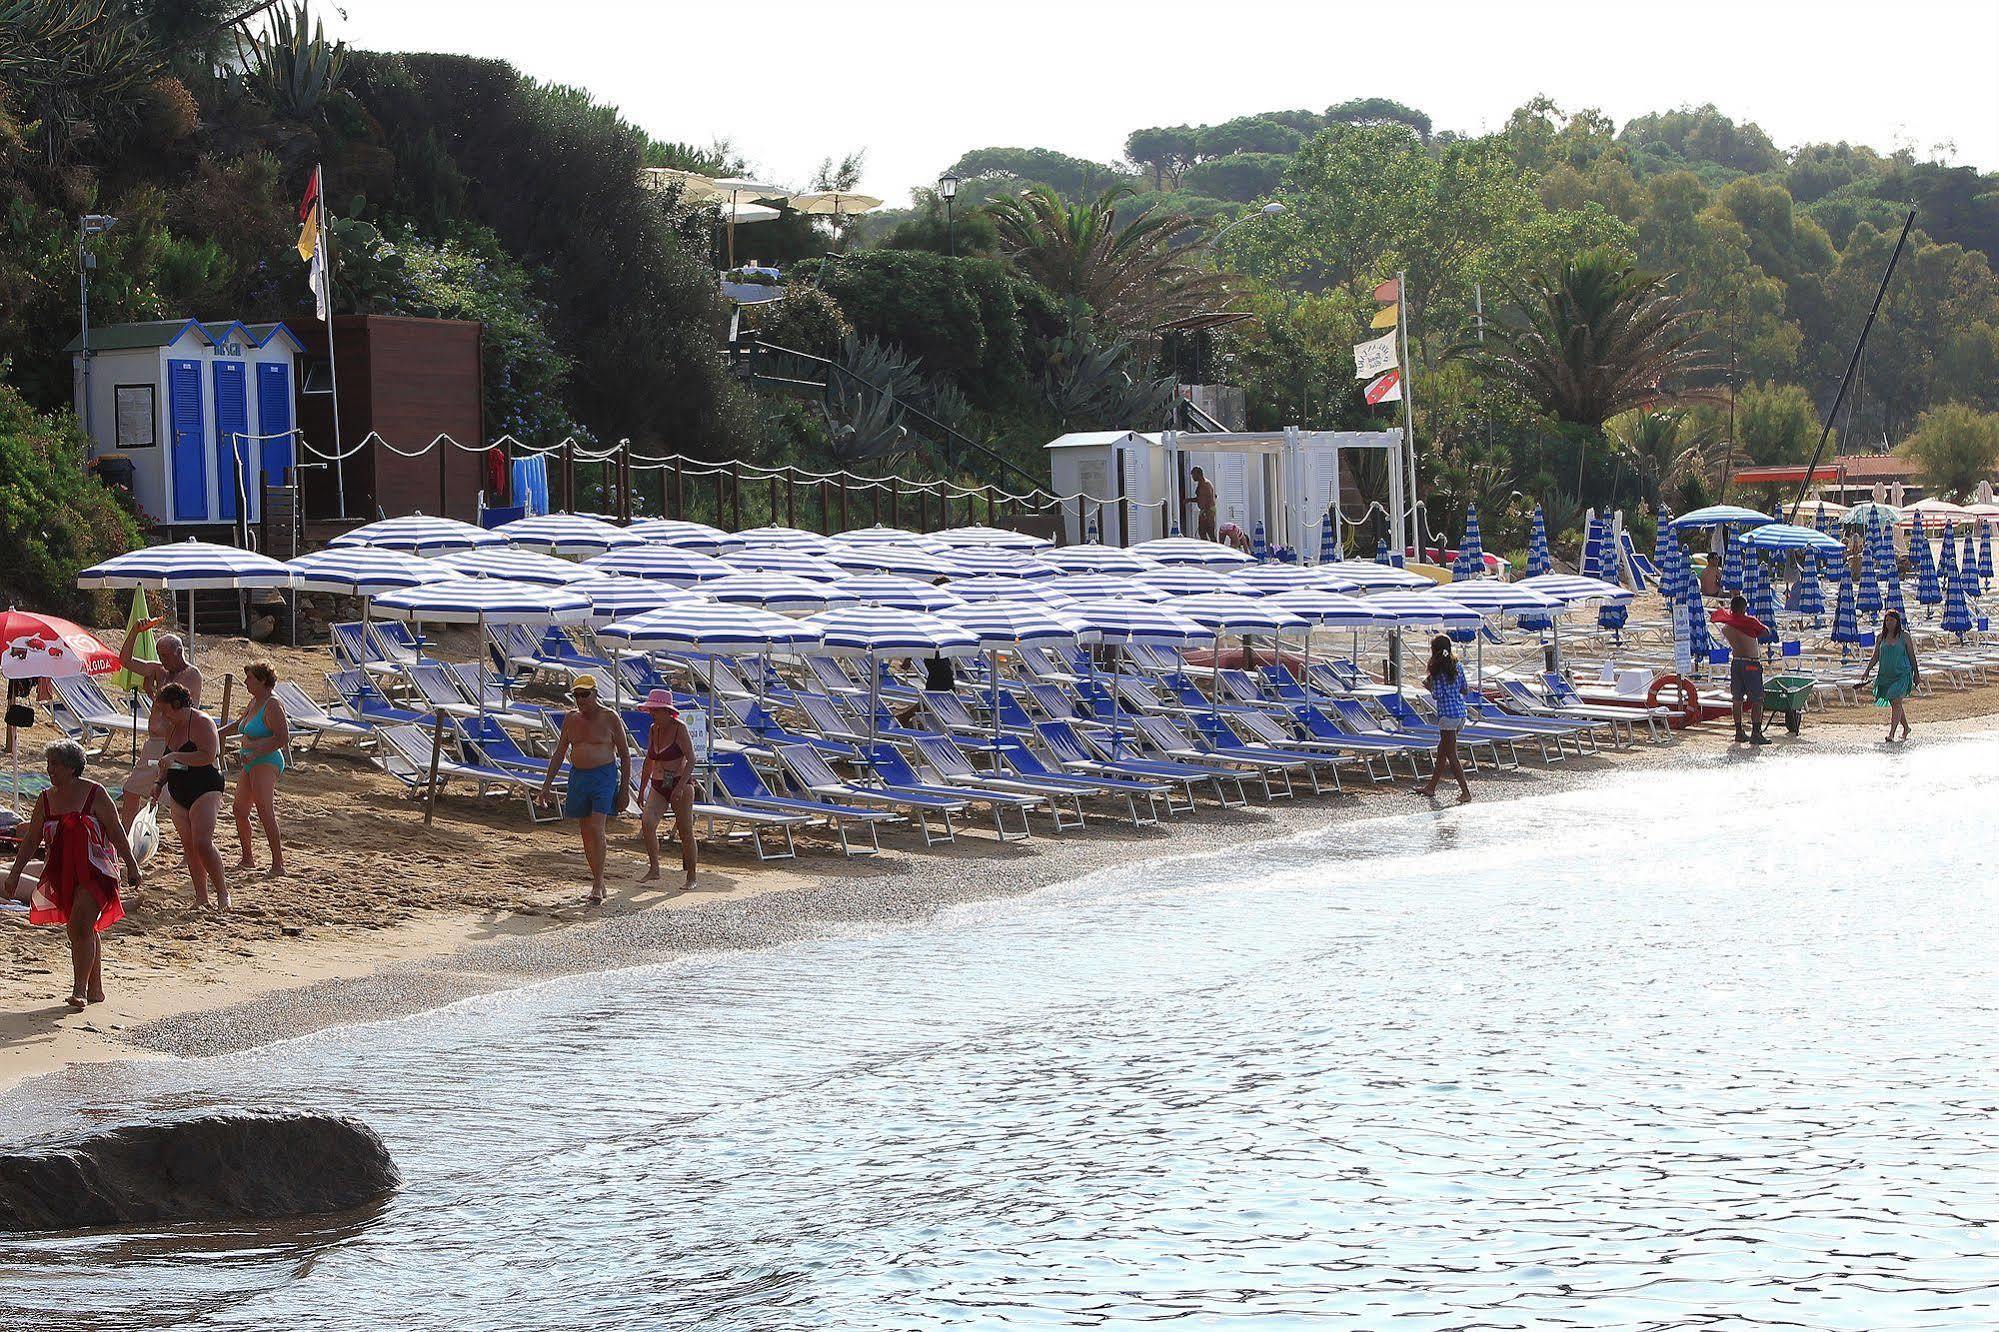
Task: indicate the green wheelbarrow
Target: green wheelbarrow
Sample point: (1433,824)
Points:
(1789,695)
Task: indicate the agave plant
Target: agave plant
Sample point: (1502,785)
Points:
(1088,382)
(1124,266)
(292,65)
(1594,337)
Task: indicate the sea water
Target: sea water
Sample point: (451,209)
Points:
(1699,1047)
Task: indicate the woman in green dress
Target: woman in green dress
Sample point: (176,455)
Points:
(1895,672)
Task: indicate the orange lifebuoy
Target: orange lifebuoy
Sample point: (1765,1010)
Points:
(1688,704)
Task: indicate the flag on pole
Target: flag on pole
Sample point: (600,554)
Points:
(1372,357)
(1387,316)
(1388,292)
(1388,388)
(309,247)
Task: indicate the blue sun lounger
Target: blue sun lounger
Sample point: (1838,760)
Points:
(951,766)
(738,779)
(897,774)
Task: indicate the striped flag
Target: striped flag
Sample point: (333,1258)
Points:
(1387,388)
(310,210)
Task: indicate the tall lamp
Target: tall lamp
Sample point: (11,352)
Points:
(947,186)
(90,224)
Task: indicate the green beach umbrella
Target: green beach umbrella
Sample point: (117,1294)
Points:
(143,647)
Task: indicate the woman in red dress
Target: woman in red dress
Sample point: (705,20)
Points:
(78,825)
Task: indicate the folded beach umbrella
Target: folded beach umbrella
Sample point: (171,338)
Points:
(365,571)
(1011,589)
(1929,588)
(1381,551)
(1094,559)
(683,534)
(892,557)
(1732,572)
(1984,550)
(1538,559)
(566,534)
(1184,580)
(979,535)
(1956,605)
(999,562)
(777,537)
(675,566)
(1967,565)
(1191,550)
(621,598)
(1762,594)
(784,593)
(1869,598)
(1329,546)
(419,534)
(1121,622)
(1259,544)
(1811,597)
(522,566)
(782,559)
(1098,587)
(1470,562)
(1891,597)
(1700,641)
(1845,615)
(898,593)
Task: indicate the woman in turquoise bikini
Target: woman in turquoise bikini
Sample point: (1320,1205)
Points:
(1898,673)
(265,733)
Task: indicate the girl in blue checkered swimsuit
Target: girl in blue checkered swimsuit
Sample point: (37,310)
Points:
(1446,683)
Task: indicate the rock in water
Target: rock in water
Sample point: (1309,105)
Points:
(211,1167)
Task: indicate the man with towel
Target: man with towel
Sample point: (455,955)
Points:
(1743,633)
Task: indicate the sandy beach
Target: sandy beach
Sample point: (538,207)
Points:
(381,916)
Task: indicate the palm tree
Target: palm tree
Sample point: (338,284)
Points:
(1126,268)
(1594,337)
(1666,449)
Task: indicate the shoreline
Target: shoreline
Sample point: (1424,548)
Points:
(343,974)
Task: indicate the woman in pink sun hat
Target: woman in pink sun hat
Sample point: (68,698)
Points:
(667,782)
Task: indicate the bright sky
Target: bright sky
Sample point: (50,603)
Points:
(916,84)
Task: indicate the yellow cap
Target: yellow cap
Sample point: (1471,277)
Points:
(583,682)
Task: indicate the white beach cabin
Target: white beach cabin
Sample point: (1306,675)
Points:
(202,412)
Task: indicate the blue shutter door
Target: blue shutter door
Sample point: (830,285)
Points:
(274,417)
(232,420)
(190,460)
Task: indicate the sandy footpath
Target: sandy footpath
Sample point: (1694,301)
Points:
(381,916)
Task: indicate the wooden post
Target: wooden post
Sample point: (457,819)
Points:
(228,688)
(825,506)
(1082,524)
(992,507)
(736,495)
(895,503)
(843,501)
(718,497)
(790,496)
(625,480)
(923,508)
(875,499)
(679,489)
(436,754)
(569,476)
(443,509)
(1123,510)
(772,479)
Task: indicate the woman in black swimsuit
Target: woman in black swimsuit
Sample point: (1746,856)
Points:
(194,788)
(667,779)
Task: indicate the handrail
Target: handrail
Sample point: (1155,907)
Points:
(747,347)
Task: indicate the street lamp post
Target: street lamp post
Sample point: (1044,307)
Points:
(1271,209)
(90,224)
(947,186)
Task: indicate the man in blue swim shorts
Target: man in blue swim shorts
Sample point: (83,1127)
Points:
(599,752)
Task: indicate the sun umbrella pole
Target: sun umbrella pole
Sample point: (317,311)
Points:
(1116,673)
(992,674)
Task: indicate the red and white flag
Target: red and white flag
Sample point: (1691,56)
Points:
(1388,388)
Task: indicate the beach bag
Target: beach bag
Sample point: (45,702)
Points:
(144,835)
(20,716)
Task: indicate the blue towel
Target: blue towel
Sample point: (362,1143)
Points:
(529,484)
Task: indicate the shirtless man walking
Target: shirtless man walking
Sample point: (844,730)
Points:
(1743,633)
(173,667)
(1204,505)
(593,739)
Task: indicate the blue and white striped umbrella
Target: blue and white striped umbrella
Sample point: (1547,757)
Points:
(1381,578)
(1732,572)
(1507,600)
(711,628)
(1427,610)
(1574,590)
(1762,593)
(522,566)
(1811,597)
(1222,613)
(1122,621)
(1191,550)
(419,534)
(1002,624)
(1173,528)
(1186,580)
(1720,515)
(1869,599)
(683,534)
(1105,587)
(566,534)
(672,565)
(1891,597)
(1333,610)
(1011,589)
(1956,604)
(1089,559)
(1538,559)
(898,593)
(784,560)
(891,557)
(1269,579)
(1381,555)
(1700,639)
(187,566)
(1929,589)
(893,536)
(1329,546)
(1782,538)
(777,592)
(998,562)
(1259,544)
(1845,614)
(361,571)
(1984,551)
(483,601)
(1967,565)
(778,537)
(1471,550)
(621,598)
(978,535)
(884,631)
(1668,554)
(1092,534)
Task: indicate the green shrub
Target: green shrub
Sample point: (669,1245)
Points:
(55,518)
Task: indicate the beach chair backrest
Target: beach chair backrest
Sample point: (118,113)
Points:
(827,672)
(1356,716)
(949,710)
(80,694)
(438,687)
(1063,742)
(824,717)
(1052,701)
(945,756)
(808,767)
(1021,758)
(390,640)
(738,778)
(350,646)
(891,766)
(1262,728)
(1240,686)
(1162,735)
(299,706)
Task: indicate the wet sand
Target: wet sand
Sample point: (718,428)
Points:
(382,917)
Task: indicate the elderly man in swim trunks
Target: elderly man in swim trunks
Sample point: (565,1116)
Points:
(593,739)
(173,667)
(1743,633)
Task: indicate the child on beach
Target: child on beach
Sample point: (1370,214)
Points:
(1446,683)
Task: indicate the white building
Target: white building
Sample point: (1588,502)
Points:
(203,412)
(1138,486)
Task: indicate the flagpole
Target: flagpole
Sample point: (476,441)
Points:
(1408,408)
(332,360)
